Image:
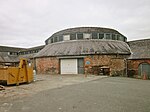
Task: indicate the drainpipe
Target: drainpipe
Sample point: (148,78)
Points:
(126,67)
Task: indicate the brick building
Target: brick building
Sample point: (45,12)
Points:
(139,61)
(84,50)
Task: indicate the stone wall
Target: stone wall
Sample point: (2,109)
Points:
(47,65)
(116,64)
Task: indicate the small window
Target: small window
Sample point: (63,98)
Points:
(66,37)
(55,39)
(48,41)
(87,35)
(80,36)
(60,38)
(101,36)
(125,39)
(122,38)
(72,36)
(52,40)
(118,37)
(113,36)
(94,36)
(108,36)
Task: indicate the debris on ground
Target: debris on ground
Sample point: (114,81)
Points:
(2,88)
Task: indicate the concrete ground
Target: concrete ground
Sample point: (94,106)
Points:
(44,82)
(91,94)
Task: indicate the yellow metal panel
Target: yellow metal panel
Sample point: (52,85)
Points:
(12,75)
(17,75)
(3,74)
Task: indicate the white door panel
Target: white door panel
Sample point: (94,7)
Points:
(68,66)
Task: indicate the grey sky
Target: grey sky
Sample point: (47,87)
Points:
(27,23)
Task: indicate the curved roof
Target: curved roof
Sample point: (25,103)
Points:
(84,47)
(84,30)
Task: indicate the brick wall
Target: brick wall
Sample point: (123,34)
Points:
(92,64)
(47,65)
(117,64)
(133,66)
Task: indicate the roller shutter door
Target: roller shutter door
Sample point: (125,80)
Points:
(68,66)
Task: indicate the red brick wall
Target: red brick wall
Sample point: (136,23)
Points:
(133,66)
(116,64)
(48,65)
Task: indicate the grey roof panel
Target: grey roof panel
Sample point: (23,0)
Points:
(140,49)
(84,47)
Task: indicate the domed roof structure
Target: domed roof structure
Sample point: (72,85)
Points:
(83,33)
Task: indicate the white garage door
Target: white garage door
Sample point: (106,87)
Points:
(68,66)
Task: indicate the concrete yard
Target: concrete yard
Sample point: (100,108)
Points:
(44,82)
(76,93)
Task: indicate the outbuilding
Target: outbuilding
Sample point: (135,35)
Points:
(139,61)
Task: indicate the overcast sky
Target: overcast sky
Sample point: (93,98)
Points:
(28,23)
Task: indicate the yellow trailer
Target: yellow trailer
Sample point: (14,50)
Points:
(17,75)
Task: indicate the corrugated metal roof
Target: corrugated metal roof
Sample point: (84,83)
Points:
(28,56)
(33,48)
(84,47)
(9,59)
(140,49)
(16,49)
(5,57)
(10,49)
(1,59)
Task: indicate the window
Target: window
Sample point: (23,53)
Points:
(55,39)
(94,36)
(125,39)
(66,37)
(80,36)
(113,36)
(87,35)
(118,37)
(122,38)
(49,41)
(101,36)
(72,36)
(108,36)
(52,40)
(60,38)
(12,53)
